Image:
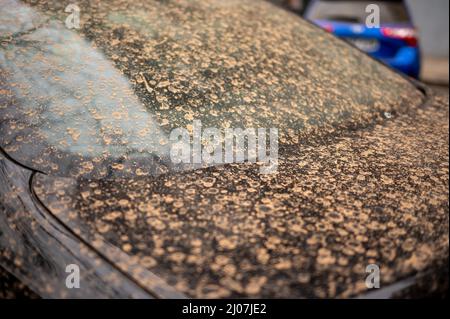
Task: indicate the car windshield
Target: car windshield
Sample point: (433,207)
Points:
(355,11)
(103,98)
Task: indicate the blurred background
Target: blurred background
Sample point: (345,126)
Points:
(413,38)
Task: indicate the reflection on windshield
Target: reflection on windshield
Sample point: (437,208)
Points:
(61,96)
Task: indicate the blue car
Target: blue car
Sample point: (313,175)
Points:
(394,41)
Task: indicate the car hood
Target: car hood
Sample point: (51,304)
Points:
(378,195)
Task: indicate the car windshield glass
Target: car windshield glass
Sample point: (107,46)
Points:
(355,11)
(103,98)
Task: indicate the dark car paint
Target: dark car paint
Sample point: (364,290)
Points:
(137,271)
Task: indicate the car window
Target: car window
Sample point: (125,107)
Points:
(102,99)
(355,11)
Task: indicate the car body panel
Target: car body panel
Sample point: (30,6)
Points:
(36,248)
(363,167)
(373,196)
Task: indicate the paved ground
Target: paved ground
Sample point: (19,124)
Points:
(435,70)
(435,73)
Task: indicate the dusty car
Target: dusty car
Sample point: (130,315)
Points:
(89,96)
(395,42)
